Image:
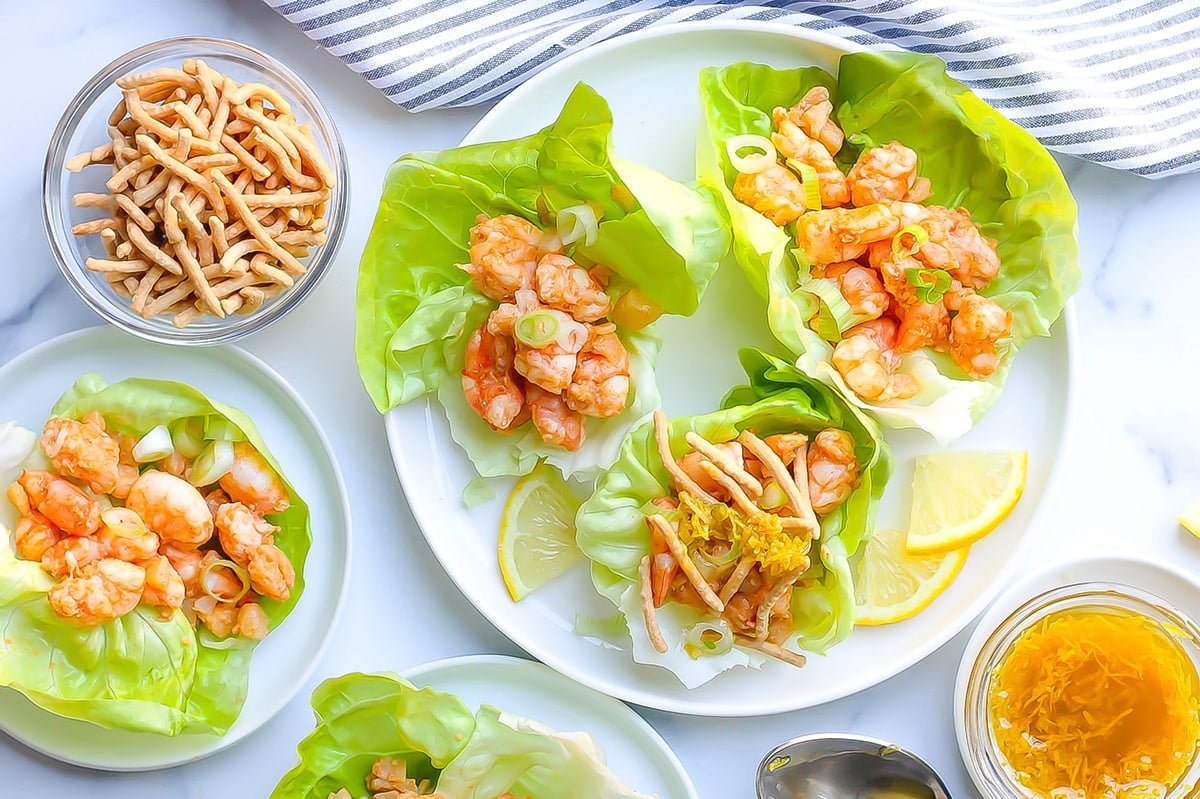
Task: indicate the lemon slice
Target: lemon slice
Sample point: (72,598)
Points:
(959,497)
(891,585)
(537,532)
(1190,519)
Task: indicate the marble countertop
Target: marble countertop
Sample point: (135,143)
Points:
(1131,466)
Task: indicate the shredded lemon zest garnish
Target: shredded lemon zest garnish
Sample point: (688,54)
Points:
(761,536)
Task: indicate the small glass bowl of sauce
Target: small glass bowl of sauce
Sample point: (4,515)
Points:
(1089,691)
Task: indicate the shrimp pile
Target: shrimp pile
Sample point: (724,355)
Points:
(117,534)
(909,272)
(548,353)
(734,538)
(389,780)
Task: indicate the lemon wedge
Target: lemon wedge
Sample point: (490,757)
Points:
(891,585)
(537,532)
(1190,519)
(959,497)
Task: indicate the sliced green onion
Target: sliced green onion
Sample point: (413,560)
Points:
(536,328)
(213,463)
(812,183)
(754,162)
(707,639)
(123,522)
(773,496)
(188,436)
(578,222)
(217,428)
(606,628)
(16,444)
(238,571)
(725,558)
(154,446)
(918,238)
(931,284)
(477,492)
(835,316)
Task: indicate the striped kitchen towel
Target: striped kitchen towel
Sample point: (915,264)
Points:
(1112,81)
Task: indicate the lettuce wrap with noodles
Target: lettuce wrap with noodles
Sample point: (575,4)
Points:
(416,308)
(974,157)
(779,398)
(141,671)
(363,717)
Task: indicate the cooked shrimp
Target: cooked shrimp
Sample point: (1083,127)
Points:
(869,369)
(600,385)
(812,114)
(775,192)
(32,536)
(552,365)
(786,445)
(974,331)
(690,463)
(861,287)
(164,587)
(132,548)
(887,173)
(957,245)
(71,553)
(843,234)
(175,464)
(504,253)
(253,482)
(490,382)
(663,566)
(557,424)
(241,531)
(832,469)
(252,622)
(82,450)
(98,592)
(220,618)
(271,573)
(567,286)
(893,271)
(68,508)
(172,508)
(391,775)
(216,579)
(215,499)
(923,324)
(791,142)
(187,563)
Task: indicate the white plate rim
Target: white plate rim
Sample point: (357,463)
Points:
(1016,595)
(302,677)
(444,552)
(486,662)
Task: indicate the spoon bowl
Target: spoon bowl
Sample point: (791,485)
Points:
(845,767)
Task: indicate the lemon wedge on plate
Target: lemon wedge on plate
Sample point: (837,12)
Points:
(959,497)
(891,585)
(537,532)
(1190,519)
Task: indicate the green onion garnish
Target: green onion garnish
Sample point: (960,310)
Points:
(812,184)
(919,238)
(931,284)
(536,328)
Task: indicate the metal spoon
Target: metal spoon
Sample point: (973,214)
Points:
(845,767)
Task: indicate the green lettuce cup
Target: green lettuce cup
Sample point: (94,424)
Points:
(974,157)
(611,526)
(434,738)
(142,671)
(416,309)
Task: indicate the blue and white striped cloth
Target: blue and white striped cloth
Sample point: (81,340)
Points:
(1112,81)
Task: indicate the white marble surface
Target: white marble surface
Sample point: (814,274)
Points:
(1132,465)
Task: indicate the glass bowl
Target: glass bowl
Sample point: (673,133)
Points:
(84,126)
(991,769)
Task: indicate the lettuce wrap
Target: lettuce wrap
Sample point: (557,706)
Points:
(975,158)
(363,717)
(779,398)
(416,308)
(141,671)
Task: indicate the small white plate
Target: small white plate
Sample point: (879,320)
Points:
(1177,587)
(650,80)
(636,753)
(282,663)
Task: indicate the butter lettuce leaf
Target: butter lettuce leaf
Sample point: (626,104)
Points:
(139,672)
(778,398)
(974,157)
(416,308)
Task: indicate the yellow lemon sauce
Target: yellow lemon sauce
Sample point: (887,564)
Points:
(1089,704)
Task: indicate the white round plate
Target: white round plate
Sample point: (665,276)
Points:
(1166,582)
(636,753)
(282,663)
(650,80)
